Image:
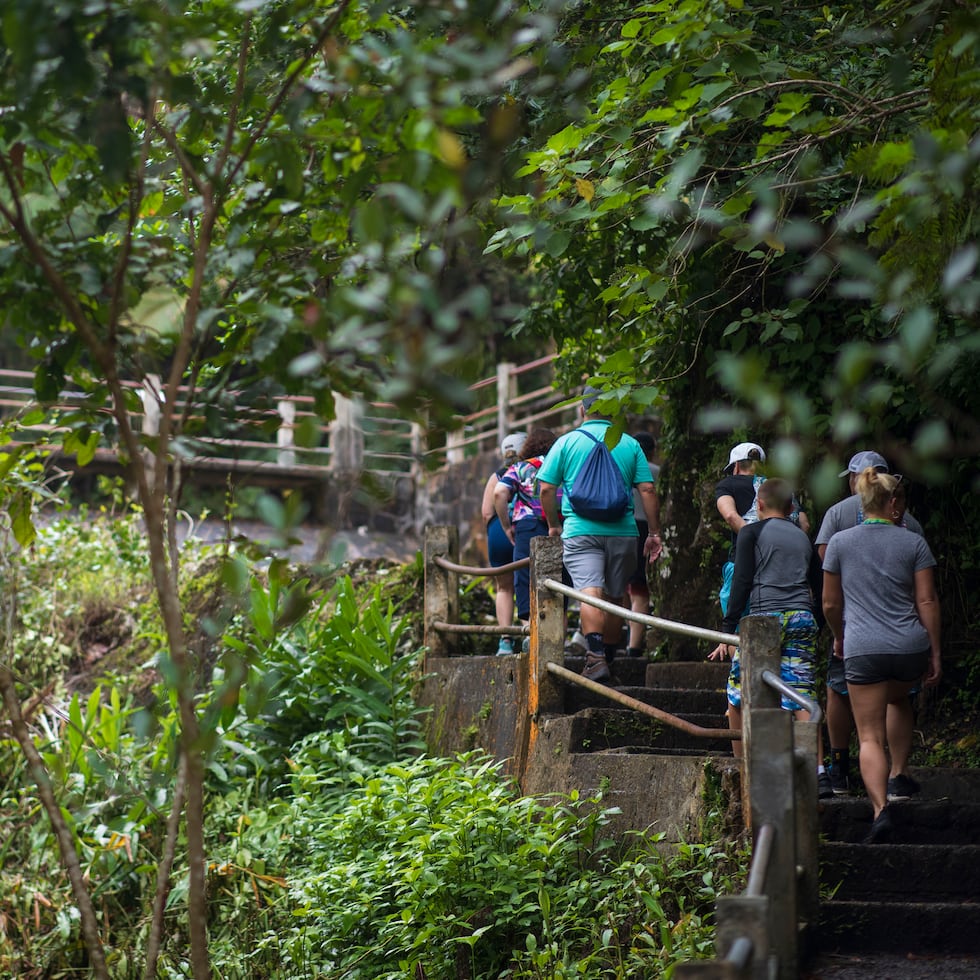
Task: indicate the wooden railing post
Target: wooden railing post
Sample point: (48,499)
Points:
(506,392)
(285,440)
(417,447)
(454,446)
(768,778)
(546,693)
(807,828)
(441,600)
(347,435)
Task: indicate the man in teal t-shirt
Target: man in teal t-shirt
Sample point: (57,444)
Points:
(600,556)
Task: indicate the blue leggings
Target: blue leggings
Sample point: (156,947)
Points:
(524,531)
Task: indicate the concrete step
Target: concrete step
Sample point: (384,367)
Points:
(699,675)
(897,872)
(626,671)
(672,700)
(916,928)
(918,821)
(602,729)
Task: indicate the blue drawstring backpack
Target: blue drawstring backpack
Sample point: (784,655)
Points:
(599,492)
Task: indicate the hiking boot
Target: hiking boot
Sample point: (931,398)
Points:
(825,789)
(576,646)
(505,647)
(902,787)
(839,781)
(881,829)
(596,668)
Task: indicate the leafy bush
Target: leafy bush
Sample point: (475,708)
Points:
(443,870)
(77,576)
(331,679)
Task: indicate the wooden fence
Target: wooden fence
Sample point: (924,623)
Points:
(287,436)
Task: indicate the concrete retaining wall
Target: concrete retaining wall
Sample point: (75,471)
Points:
(481,703)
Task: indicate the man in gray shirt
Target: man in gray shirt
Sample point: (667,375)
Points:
(777,573)
(845,514)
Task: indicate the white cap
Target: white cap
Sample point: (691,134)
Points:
(744,450)
(513,444)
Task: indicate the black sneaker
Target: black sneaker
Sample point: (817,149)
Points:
(881,829)
(840,782)
(596,668)
(825,791)
(902,787)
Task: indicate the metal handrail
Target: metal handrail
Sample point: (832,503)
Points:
(647,709)
(807,704)
(683,629)
(761,855)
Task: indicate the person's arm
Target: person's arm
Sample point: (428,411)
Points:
(833,609)
(740,591)
(653,545)
(742,577)
(927,607)
(815,579)
(487,507)
(502,493)
(821,551)
(726,507)
(804,522)
(548,492)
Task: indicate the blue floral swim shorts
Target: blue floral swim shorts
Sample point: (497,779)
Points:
(798,663)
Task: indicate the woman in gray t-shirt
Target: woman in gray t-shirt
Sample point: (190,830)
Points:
(879,597)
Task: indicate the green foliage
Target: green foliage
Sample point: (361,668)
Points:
(320,673)
(278,191)
(440,868)
(62,618)
(743,212)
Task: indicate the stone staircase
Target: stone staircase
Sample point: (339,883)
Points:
(660,778)
(919,894)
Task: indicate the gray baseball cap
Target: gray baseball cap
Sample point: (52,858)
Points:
(862,460)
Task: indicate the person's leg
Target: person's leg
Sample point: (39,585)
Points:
(734,716)
(899,722)
(593,620)
(524,532)
(733,692)
(840,724)
(501,552)
(868,705)
(639,595)
(504,601)
(620,564)
(612,632)
(639,603)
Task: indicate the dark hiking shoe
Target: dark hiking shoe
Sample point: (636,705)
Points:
(902,787)
(881,829)
(596,668)
(840,782)
(825,791)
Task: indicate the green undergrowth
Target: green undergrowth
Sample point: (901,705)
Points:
(336,846)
